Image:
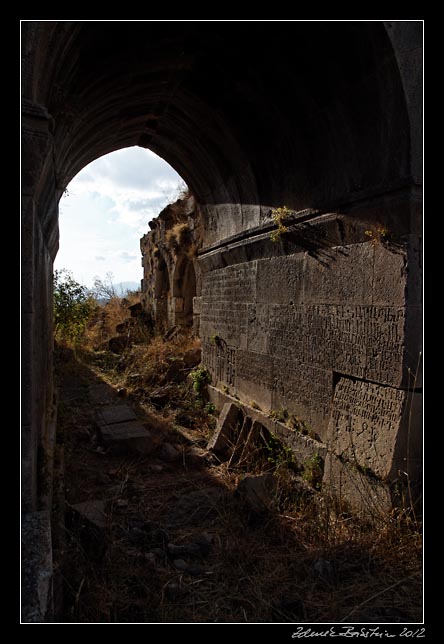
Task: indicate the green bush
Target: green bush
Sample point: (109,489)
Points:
(200,377)
(72,307)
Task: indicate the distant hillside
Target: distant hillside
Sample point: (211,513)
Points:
(122,287)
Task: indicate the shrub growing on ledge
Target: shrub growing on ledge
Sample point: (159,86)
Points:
(179,236)
(200,377)
(279,214)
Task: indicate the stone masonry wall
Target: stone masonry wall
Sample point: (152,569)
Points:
(321,326)
(171,278)
(330,337)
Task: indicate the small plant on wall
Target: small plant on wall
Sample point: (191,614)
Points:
(279,215)
(378,234)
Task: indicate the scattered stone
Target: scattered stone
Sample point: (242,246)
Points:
(257,491)
(170,453)
(115,414)
(88,519)
(155,467)
(195,570)
(180,564)
(173,589)
(227,424)
(190,549)
(192,358)
(132,436)
(92,512)
(196,506)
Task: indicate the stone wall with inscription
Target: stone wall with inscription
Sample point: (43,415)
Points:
(325,337)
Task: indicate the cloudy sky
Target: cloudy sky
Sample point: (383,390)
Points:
(106,211)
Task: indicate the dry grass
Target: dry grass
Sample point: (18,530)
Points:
(300,562)
(105,319)
(178,237)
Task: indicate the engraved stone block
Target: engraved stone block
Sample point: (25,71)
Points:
(376,427)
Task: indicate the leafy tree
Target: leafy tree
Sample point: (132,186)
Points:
(104,289)
(72,307)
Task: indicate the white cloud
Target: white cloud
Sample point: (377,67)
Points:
(107,210)
(134,183)
(127,257)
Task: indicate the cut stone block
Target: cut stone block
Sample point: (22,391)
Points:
(37,570)
(93,512)
(130,435)
(227,424)
(115,414)
(89,522)
(374,424)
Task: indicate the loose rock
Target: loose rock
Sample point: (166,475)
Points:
(257,491)
(169,453)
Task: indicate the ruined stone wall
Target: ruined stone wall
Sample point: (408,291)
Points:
(319,324)
(322,326)
(171,276)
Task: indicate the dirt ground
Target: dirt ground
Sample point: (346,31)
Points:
(174,543)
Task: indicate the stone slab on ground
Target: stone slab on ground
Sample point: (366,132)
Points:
(115,414)
(93,511)
(37,569)
(227,423)
(130,435)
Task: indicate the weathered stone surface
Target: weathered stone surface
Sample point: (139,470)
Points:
(131,435)
(227,424)
(37,571)
(115,414)
(257,491)
(371,425)
(355,490)
(192,357)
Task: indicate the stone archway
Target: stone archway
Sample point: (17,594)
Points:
(184,291)
(162,294)
(320,117)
